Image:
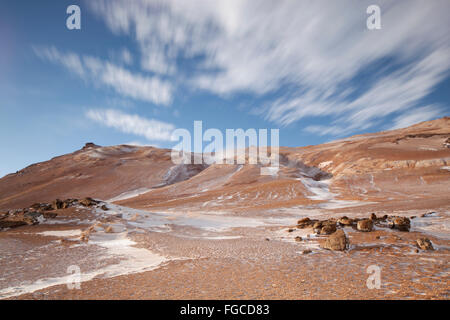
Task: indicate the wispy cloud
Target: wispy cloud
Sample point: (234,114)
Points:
(417,115)
(150,129)
(317,49)
(124,82)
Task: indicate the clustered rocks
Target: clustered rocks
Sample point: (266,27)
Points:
(38,212)
(337,239)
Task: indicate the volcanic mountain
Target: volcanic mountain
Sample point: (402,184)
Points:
(397,165)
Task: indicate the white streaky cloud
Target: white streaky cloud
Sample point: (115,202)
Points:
(126,56)
(141,144)
(150,129)
(417,115)
(134,85)
(317,49)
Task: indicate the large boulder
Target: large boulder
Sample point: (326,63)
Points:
(337,241)
(365,225)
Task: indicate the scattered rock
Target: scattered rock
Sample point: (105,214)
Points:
(49,215)
(373,217)
(290,230)
(306,251)
(109,229)
(345,221)
(365,225)
(401,223)
(328,228)
(317,226)
(57,204)
(69,203)
(298,239)
(104,208)
(428,214)
(36,206)
(69,242)
(88,202)
(337,241)
(11,224)
(424,244)
(305,223)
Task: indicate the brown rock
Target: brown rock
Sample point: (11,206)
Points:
(57,204)
(88,202)
(365,225)
(337,241)
(328,228)
(401,223)
(36,206)
(305,223)
(11,223)
(298,239)
(317,226)
(424,244)
(49,215)
(104,208)
(373,217)
(306,251)
(345,221)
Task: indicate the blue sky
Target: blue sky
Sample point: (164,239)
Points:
(139,69)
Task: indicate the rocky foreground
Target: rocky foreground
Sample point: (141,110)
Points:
(127,253)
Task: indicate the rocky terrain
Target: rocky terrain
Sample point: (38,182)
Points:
(137,226)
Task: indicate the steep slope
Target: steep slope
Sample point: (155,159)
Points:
(397,165)
(100,172)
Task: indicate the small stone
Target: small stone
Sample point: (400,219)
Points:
(345,221)
(424,244)
(88,202)
(298,239)
(401,223)
(373,217)
(428,214)
(306,251)
(57,204)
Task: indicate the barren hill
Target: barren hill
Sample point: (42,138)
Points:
(397,165)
